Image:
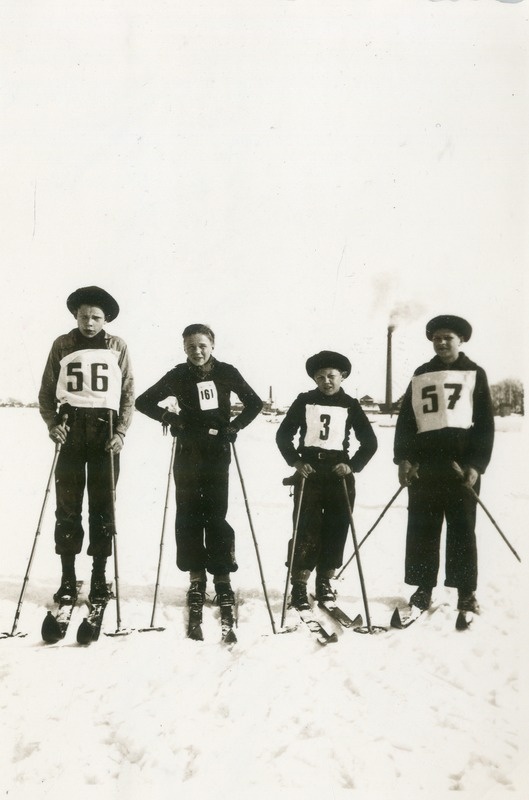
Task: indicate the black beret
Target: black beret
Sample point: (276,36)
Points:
(93,296)
(327,359)
(456,324)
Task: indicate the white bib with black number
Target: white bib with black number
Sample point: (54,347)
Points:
(443,399)
(326,426)
(90,379)
(207,395)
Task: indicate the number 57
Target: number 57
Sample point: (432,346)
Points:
(430,393)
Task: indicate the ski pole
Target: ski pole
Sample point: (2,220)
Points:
(169,476)
(399,490)
(293,549)
(477,498)
(254,539)
(119,630)
(35,538)
(368,628)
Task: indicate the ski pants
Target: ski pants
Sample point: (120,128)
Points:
(204,539)
(84,462)
(323,521)
(432,498)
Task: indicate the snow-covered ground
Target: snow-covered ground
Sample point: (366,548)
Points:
(414,713)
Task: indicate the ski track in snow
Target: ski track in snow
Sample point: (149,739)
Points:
(427,710)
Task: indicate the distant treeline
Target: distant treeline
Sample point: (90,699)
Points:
(507,398)
(12,402)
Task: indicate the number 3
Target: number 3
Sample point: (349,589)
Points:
(325,421)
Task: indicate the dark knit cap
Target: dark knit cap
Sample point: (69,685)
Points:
(328,359)
(93,296)
(456,324)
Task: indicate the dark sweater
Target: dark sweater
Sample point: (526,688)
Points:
(182,382)
(356,420)
(470,446)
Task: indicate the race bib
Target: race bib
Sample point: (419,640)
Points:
(207,395)
(90,379)
(326,427)
(443,399)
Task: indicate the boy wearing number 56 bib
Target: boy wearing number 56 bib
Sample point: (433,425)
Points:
(324,419)
(87,379)
(202,386)
(446,418)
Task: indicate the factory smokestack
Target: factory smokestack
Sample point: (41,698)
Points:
(389,379)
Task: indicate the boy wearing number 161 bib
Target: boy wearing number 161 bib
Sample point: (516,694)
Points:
(324,419)
(446,418)
(202,386)
(87,378)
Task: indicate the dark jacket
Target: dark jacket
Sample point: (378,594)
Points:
(296,421)
(184,383)
(468,446)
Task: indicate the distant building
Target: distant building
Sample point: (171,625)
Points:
(368,404)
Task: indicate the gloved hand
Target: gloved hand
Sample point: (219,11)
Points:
(174,422)
(230,433)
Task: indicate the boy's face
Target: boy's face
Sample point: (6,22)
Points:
(446,344)
(198,348)
(329,380)
(90,320)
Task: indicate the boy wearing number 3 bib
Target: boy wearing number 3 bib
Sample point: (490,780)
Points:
(202,386)
(446,418)
(324,418)
(87,378)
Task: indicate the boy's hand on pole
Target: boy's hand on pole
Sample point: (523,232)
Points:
(115,444)
(468,475)
(304,469)
(59,433)
(230,433)
(342,470)
(407,472)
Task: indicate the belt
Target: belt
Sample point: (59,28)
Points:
(334,456)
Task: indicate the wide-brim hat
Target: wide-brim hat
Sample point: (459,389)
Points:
(328,359)
(93,296)
(450,322)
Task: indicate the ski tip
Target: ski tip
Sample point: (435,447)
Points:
(51,631)
(396,621)
(325,638)
(85,633)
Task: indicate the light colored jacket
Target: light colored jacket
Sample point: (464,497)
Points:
(65,345)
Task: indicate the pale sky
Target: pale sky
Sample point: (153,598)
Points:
(289,172)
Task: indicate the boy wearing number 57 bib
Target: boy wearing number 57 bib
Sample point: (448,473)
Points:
(324,419)
(87,378)
(202,386)
(446,418)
